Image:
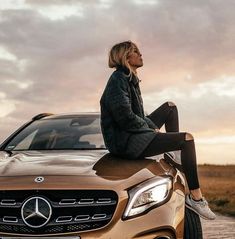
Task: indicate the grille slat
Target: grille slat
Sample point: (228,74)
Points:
(85,201)
(80,218)
(8,202)
(67,202)
(104,200)
(99,216)
(72,210)
(64,219)
(10,219)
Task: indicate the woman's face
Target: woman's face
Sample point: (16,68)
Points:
(135,58)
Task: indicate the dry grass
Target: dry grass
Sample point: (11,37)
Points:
(218,186)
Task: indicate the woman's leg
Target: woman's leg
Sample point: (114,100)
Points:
(195,191)
(183,141)
(166,114)
(164,142)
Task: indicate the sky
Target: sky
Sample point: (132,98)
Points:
(54,54)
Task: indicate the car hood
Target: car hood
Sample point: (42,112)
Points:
(67,166)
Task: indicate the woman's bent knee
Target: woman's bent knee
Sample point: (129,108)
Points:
(188,137)
(170,103)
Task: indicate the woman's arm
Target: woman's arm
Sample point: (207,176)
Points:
(119,104)
(150,123)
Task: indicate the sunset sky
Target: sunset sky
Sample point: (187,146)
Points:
(53,58)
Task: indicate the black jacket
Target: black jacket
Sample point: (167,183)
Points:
(126,130)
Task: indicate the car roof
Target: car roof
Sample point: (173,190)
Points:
(65,115)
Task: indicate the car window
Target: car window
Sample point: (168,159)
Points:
(25,143)
(60,133)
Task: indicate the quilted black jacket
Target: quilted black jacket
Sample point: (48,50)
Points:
(126,130)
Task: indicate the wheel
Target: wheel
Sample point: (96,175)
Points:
(192,225)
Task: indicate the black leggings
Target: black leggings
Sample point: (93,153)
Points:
(173,140)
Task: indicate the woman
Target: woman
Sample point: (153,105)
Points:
(129,133)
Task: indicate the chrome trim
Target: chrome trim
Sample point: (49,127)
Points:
(104,200)
(39,179)
(10,219)
(67,201)
(82,218)
(86,201)
(8,202)
(99,216)
(36,212)
(64,219)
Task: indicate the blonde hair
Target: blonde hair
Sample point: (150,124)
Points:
(118,55)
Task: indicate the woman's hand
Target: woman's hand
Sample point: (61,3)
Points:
(157,130)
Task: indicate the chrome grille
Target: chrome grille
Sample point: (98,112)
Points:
(72,210)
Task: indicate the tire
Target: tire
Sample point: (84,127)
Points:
(192,225)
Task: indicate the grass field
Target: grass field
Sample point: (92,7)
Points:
(218,186)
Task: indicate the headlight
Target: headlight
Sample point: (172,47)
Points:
(146,195)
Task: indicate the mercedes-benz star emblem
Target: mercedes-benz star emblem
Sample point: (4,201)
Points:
(39,179)
(36,212)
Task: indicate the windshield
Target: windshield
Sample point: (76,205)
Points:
(81,132)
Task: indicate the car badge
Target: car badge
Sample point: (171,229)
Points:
(36,212)
(39,179)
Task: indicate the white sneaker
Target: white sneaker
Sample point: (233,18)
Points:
(200,207)
(174,158)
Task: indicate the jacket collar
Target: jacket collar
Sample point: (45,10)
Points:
(123,69)
(132,78)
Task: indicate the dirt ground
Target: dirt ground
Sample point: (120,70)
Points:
(221,228)
(218,186)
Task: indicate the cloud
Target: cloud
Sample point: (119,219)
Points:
(63,2)
(205,108)
(54,57)
(6,108)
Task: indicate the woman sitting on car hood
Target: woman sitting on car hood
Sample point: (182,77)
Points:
(129,133)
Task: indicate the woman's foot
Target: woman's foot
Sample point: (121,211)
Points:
(200,207)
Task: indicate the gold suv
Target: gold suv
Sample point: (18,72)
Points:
(58,180)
